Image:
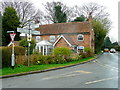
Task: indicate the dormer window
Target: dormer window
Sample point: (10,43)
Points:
(80,37)
(52,38)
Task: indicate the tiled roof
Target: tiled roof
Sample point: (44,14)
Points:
(60,28)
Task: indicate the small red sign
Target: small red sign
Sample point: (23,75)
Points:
(12,35)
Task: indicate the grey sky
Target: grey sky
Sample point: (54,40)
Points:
(111,8)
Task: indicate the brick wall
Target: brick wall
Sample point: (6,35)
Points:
(62,43)
(86,42)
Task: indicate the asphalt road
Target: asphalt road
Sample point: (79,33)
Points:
(101,73)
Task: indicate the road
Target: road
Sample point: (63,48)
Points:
(101,73)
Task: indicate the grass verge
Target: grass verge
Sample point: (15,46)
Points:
(23,69)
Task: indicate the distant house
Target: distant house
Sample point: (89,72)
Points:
(74,35)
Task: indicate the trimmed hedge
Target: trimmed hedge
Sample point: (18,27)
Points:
(7,52)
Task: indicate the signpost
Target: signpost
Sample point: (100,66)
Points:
(30,31)
(12,35)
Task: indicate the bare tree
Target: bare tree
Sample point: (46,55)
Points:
(98,11)
(25,11)
(50,11)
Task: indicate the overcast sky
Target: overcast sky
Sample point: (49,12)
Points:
(111,8)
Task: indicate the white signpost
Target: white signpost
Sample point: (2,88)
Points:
(12,36)
(26,31)
(30,31)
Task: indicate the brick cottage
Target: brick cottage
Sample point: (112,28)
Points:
(73,35)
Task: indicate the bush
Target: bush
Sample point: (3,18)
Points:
(7,52)
(88,51)
(117,48)
(62,52)
(24,43)
(19,50)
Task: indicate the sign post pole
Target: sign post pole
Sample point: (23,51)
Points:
(12,35)
(30,31)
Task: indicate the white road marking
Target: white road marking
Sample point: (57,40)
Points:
(75,73)
(106,66)
(91,82)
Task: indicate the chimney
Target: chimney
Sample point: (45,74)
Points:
(90,17)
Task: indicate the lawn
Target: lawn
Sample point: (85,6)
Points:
(22,68)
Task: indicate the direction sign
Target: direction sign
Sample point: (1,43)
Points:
(12,35)
(26,31)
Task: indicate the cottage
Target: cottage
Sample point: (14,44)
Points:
(74,35)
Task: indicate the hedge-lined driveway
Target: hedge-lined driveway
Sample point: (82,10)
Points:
(101,73)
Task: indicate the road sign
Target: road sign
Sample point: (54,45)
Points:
(26,31)
(12,35)
(29,38)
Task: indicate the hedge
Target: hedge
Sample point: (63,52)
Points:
(7,52)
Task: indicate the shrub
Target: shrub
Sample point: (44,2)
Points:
(84,55)
(7,52)
(88,51)
(19,50)
(117,48)
(62,52)
(24,43)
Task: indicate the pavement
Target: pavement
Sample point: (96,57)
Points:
(41,71)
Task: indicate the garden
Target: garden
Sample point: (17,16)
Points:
(60,57)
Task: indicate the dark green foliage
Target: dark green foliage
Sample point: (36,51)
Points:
(24,43)
(114,44)
(80,19)
(107,43)
(60,16)
(117,48)
(7,52)
(10,22)
(100,31)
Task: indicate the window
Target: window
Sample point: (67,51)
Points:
(80,37)
(50,48)
(52,38)
(37,38)
(80,49)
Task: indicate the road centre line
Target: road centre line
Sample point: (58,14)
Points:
(91,82)
(68,74)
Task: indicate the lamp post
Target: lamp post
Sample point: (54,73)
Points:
(12,35)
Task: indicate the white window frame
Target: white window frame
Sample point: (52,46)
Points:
(37,39)
(80,35)
(51,39)
(81,47)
